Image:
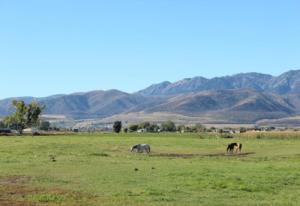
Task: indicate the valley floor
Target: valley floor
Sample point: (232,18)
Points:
(182,169)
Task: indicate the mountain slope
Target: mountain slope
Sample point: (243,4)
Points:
(286,83)
(215,107)
(246,97)
(237,100)
(95,104)
(240,81)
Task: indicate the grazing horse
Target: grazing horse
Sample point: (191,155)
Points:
(237,147)
(141,148)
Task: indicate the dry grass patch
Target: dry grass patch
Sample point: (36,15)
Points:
(17,191)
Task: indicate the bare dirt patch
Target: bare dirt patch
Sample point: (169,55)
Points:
(177,155)
(15,179)
(16,191)
(12,190)
(243,154)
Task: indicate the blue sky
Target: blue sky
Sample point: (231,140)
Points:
(64,46)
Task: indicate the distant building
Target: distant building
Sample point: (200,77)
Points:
(141,130)
(31,131)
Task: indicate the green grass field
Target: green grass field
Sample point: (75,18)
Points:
(183,169)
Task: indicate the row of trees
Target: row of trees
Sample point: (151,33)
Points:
(167,126)
(145,126)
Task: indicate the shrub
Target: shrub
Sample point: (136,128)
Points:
(117,126)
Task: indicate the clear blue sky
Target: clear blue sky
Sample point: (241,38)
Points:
(64,46)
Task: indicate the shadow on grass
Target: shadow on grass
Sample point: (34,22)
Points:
(99,154)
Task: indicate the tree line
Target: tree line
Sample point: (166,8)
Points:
(168,126)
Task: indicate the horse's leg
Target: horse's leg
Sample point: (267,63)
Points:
(140,149)
(229,149)
(233,150)
(238,148)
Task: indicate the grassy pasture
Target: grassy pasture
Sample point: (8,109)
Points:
(183,169)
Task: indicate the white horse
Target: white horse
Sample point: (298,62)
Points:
(141,148)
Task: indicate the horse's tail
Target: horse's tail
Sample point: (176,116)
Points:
(241,147)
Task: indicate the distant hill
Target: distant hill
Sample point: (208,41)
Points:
(241,98)
(224,100)
(95,104)
(281,122)
(234,106)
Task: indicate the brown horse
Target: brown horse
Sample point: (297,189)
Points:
(234,147)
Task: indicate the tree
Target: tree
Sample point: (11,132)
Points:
(154,128)
(144,125)
(199,128)
(117,126)
(2,124)
(125,130)
(213,129)
(168,126)
(24,116)
(243,130)
(44,125)
(18,119)
(34,111)
(181,128)
(133,128)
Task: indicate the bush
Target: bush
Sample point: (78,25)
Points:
(144,125)
(243,130)
(44,125)
(226,136)
(168,126)
(117,126)
(2,125)
(154,128)
(133,128)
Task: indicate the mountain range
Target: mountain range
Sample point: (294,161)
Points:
(240,98)
(286,83)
